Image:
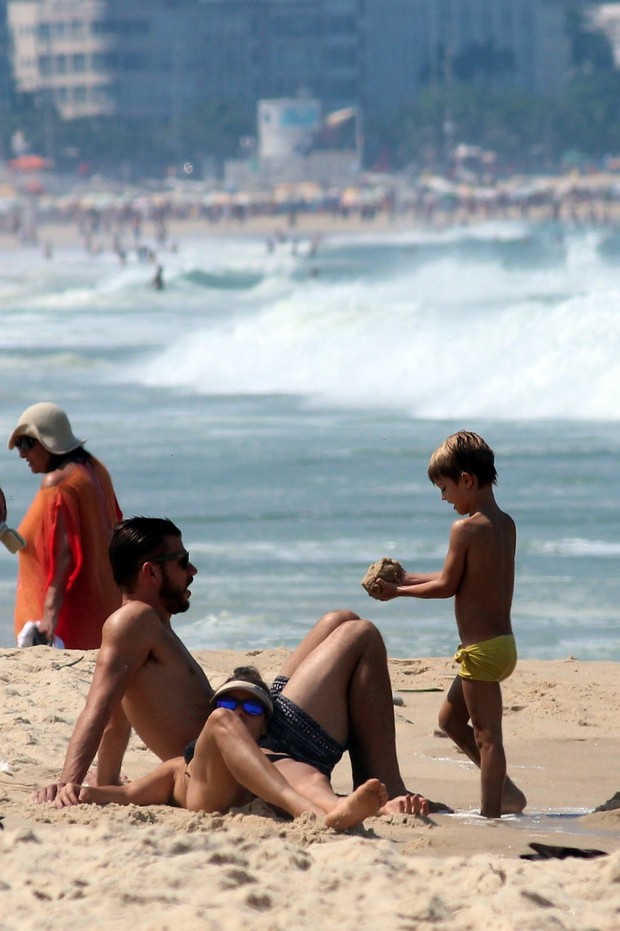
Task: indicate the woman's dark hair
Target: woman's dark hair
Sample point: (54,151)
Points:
(249,674)
(79,455)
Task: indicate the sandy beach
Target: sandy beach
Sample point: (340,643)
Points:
(159,868)
(58,236)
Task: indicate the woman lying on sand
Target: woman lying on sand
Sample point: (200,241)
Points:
(226,768)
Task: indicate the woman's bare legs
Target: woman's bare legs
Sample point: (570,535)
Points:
(339,676)
(229,769)
(341,812)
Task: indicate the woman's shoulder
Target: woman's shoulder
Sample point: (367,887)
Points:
(58,476)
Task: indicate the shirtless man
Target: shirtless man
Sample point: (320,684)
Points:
(336,680)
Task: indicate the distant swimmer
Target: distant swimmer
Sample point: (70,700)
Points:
(315,242)
(157,280)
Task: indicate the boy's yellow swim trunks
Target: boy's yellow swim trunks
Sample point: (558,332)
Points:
(488,661)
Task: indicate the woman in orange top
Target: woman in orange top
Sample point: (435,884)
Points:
(65,580)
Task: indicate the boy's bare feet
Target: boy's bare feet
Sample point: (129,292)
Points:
(364,802)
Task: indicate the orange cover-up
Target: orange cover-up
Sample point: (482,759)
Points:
(89,509)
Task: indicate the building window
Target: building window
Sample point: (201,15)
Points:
(103,61)
(77,29)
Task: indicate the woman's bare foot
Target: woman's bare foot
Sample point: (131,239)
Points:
(298,805)
(364,802)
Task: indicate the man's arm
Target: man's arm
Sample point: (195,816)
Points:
(112,748)
(124,649)
(443,584)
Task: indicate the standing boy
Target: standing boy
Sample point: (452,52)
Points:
(479,572)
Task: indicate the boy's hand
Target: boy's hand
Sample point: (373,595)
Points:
(386,571)
(384,591)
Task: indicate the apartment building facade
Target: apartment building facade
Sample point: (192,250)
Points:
(158,58)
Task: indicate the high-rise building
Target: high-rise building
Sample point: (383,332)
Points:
(160,58)
(409,44)
(6,76)
(61,53)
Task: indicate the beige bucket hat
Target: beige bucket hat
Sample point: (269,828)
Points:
(47,423)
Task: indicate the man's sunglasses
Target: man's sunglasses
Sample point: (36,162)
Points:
(24,443)
(250,707)
(181,556)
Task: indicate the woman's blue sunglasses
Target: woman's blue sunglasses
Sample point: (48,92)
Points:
(250,707)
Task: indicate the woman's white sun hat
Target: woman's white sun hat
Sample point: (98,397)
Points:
(47,423)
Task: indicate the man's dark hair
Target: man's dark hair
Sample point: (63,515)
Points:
(133,542)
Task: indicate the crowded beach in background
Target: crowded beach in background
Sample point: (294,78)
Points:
(38,209)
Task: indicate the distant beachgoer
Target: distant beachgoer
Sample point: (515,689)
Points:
(313,248)
(64,581)
(479,573)
(157,281)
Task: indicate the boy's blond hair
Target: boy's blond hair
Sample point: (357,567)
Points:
(463,452)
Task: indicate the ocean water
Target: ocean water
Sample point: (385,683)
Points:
(281,408)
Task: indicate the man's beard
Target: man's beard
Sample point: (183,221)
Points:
(175,600)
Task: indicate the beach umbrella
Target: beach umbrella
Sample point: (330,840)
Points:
(29,163)
(33,186)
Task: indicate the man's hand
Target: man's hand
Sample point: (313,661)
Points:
(47,794)
(68,795)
